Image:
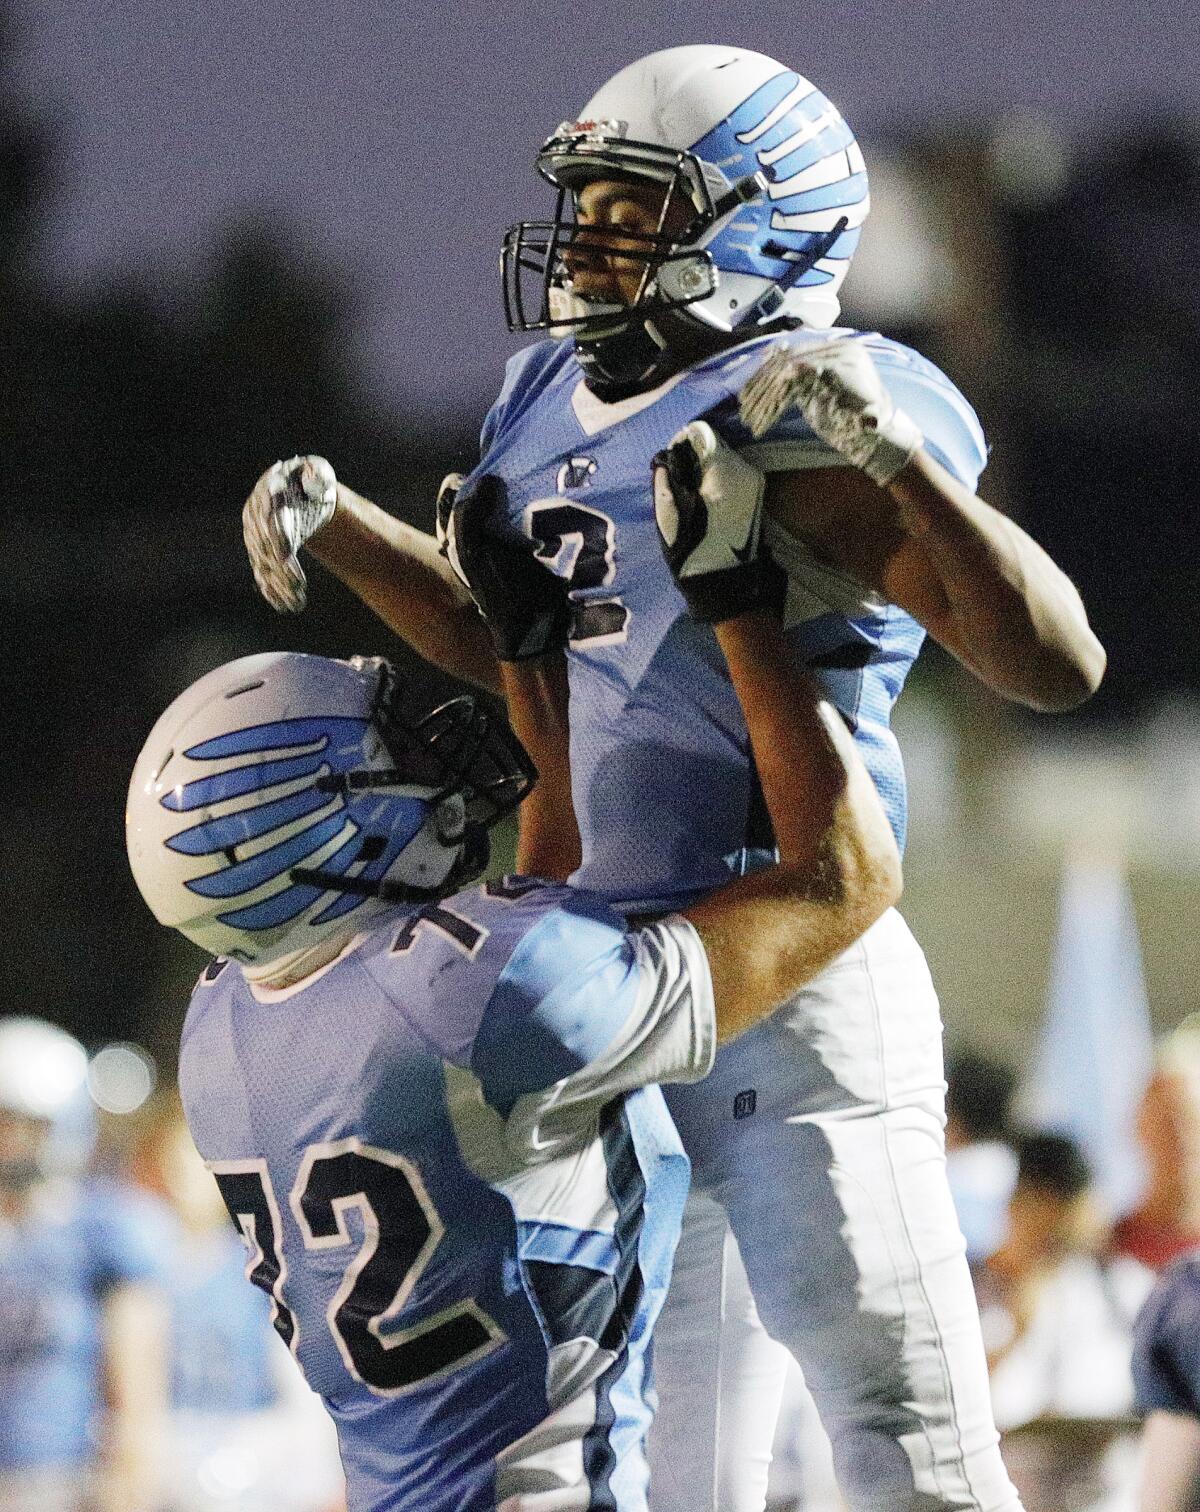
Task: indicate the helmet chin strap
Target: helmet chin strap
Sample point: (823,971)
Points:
(473,856)
(655,349)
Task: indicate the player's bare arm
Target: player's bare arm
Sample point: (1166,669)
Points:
(538,703)
(395,569)
(526,611)
(839,867)
(900,523)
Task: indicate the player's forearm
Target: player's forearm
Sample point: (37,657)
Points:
(768,934)
(1010,613)
(398,573)
(537,695)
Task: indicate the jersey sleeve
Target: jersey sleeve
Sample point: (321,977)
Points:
(1166,1344)
(953,435)
(584,1012)
(521,374)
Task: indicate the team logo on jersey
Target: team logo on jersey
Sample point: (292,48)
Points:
(745,1103)
(576,472)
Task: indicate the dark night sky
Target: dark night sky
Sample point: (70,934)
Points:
(403,149)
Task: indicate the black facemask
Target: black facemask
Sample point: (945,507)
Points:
(459,749)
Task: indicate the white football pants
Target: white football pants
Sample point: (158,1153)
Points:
(817,1142)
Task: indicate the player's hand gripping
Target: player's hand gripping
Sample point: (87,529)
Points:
(708,507)
(290,503)
(523,603)
(837,389)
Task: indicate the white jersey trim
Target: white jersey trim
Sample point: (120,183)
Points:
(594,415)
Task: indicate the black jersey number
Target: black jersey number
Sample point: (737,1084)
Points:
(245,1187)
(579,544)
(400,1229)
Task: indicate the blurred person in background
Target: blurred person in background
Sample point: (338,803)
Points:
(1166,1222)
(981,1164)
(246,1432)
(82,1315)
(1057,1315)
(1166,1376)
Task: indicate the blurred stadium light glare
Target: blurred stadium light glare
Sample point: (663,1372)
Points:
(121,1077)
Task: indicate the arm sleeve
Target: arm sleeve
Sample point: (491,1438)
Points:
(1166,1345)
(642,1014)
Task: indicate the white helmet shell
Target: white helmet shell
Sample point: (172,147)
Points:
(239,783)
(740,112)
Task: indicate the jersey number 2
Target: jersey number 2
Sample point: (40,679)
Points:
(579,543)
(400,1231)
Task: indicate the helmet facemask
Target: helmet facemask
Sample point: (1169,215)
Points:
(473,768)
(673,320)
(537,255)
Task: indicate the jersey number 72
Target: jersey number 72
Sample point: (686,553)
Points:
(401,1230)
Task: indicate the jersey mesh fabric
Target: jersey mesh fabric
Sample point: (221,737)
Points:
(659,749)
(387,1074)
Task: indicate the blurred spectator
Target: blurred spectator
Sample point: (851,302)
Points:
(1058,1319)
(1166,1374)
(980,1163)
(1166,1222)
(247,1434)
(82,1324)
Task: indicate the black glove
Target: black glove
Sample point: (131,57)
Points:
(708,507)
(524,604)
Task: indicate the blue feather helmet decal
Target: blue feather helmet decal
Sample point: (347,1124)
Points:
(288,815)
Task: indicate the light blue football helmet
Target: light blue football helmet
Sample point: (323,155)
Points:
(284,798)
(775,185)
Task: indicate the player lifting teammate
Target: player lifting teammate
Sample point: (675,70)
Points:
(709,201)
(432,1116)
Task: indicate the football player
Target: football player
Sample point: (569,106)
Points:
(429,1111)
(83,1350)
(708,202)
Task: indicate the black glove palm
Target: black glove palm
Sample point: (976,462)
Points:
(523,603)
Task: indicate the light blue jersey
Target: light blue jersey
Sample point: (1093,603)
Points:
(660,755)
(58,1264)
(460,1190)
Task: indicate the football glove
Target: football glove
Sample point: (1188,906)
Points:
(708,507)
(290,503)
(837,389)
(523,603)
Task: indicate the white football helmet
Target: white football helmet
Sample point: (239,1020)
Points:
(285,798)
(776,185)
(43,1076)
